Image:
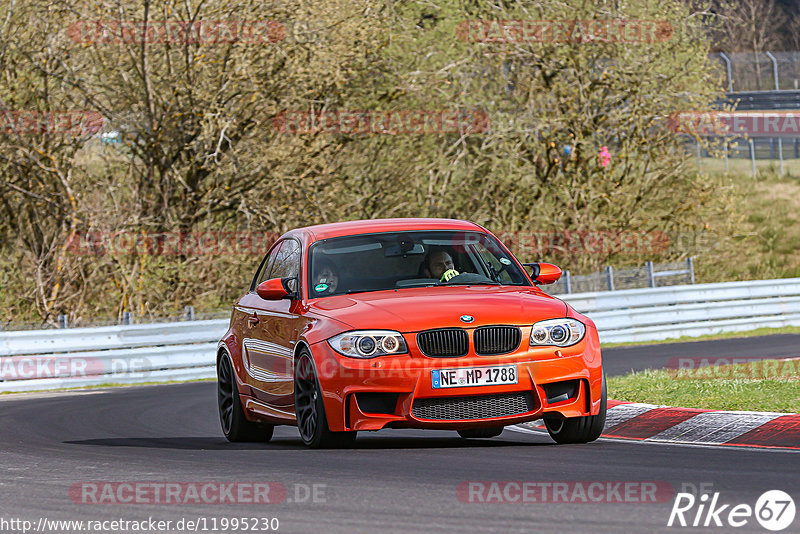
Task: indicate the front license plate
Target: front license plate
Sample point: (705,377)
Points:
(474,376)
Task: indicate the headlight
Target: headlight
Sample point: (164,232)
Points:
(559,332)
(369,343)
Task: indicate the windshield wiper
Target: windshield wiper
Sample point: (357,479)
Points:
(480,283)
(351,291)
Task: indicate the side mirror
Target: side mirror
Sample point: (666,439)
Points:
(273,289)
(544,273)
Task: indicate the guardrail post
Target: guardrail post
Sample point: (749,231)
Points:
(567,283)
(690,268)
(62,321)
(753,157)
(126,318)
(610,277)
(188,312)
(651,279)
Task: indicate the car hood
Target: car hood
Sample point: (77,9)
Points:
(415,309)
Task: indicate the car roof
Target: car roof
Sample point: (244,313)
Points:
(326,231)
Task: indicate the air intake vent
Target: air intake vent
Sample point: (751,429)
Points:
(490,340)
(443,343)
(473,407)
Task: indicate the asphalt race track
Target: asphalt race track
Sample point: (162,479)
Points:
(392,481)
(621,360)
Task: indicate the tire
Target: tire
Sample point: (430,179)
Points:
(578,429)
(234,424)
(310,410)
(490,432)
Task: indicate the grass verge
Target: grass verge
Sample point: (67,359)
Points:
(763,386)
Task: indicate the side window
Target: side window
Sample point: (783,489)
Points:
(287,263)
(266,266)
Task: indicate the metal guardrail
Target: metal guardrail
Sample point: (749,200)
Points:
(124,354)
(693,310)
(127,354)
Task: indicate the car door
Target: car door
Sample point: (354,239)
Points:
(267,349)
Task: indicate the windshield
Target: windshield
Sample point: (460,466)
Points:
(397,260)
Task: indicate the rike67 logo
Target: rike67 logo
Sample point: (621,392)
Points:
(774,510)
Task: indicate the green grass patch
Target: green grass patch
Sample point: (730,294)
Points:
(758,237)
(724,335)
(763,386)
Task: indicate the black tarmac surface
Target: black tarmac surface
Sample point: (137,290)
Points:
(392,481)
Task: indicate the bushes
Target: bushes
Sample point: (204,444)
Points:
(200,151)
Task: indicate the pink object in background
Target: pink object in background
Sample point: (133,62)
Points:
(605,157)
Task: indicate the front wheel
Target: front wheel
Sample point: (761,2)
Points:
(578,429)
(235,425)
(310,410)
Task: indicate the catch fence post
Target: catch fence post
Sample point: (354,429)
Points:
(725,154)
(610,277)
(651,279)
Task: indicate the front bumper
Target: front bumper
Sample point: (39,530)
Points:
(397,392)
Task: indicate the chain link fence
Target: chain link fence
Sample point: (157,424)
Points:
(760,71)
(610,279)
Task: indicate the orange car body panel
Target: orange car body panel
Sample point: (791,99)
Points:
(265,336)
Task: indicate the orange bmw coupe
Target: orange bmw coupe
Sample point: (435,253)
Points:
(405,323)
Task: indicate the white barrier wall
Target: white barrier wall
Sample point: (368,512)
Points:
(53,359)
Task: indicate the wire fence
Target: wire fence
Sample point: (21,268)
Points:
(610,279)
(760,71)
